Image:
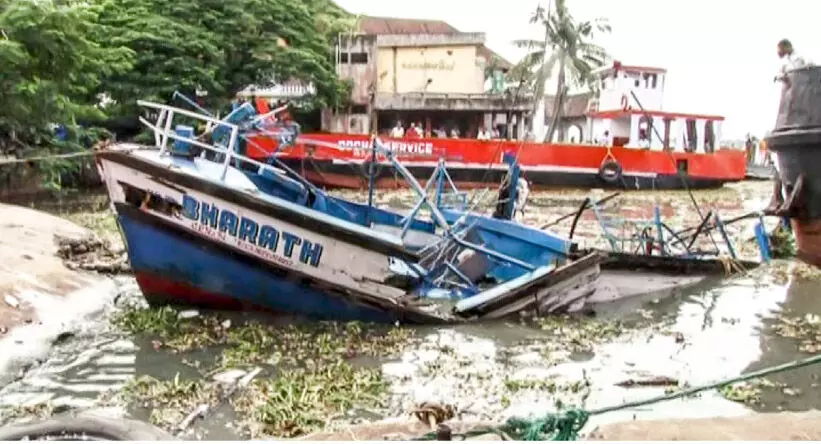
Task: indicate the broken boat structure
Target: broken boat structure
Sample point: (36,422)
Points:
(650,257)
(206,226)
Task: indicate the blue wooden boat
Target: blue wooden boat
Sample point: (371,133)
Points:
(206,226)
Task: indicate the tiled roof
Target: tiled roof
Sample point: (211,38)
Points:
(393,25)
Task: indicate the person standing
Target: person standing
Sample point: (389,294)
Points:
(789,61)
(397,131)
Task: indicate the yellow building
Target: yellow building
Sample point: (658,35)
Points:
(421,71)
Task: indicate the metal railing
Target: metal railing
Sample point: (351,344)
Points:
(163,131)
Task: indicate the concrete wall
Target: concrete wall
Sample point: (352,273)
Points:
(354,123)
(437,69)
(356,61)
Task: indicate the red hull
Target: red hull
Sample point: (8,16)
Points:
(543,164)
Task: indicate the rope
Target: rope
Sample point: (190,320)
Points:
(69,155)
(49,157)
(566,425)
(609,155)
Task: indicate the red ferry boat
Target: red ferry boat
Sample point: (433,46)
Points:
(638,147)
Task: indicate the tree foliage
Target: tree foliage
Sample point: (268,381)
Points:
(50,70)
(80,64)
(221,47)
(567,49)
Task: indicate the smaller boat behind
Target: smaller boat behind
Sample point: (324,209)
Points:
(209,227)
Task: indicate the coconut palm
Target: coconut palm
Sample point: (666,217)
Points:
(568,44)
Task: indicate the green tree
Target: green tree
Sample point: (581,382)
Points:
(567,49)
(221,47)
(50,72)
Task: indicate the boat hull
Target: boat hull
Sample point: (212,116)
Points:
(175,268)
(332,174)
(797,141)
(341,161)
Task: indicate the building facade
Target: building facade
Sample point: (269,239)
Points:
(424,72)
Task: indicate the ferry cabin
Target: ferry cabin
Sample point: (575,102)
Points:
(629,112)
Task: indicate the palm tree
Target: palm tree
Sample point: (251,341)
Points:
(568,44)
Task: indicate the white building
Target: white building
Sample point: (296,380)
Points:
(629,107)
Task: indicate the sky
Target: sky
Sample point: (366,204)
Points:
(720,54)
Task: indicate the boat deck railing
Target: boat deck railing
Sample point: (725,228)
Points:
(163,132)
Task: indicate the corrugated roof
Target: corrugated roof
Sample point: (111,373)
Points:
(394,25)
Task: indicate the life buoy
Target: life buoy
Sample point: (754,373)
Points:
(610,171)
(625,103)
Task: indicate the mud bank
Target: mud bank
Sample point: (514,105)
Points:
(41,298)
(788,426)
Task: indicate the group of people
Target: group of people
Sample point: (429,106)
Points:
(416,130)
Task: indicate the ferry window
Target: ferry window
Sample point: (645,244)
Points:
(709,137)
(360,58)
(637,83)
(646,78)
(655,79)
(668,123)
(692,136)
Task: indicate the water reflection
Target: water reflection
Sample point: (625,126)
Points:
(795,390)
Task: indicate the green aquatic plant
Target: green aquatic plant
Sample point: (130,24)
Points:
(304,400)
(580,334)
(782,243)
(298,345)
(168,402)
(170,329)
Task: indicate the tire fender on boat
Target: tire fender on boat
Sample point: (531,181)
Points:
(71,426)
(610,171)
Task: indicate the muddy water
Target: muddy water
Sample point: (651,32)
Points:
(492,371)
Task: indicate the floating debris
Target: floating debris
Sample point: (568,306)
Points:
(580,334)
(748,392)
(40,410)
(91,253)
(806,329)
(168,402)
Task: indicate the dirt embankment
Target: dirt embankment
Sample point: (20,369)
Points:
(40,295)
(786,426)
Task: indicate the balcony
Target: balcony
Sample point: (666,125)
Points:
(450,102)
